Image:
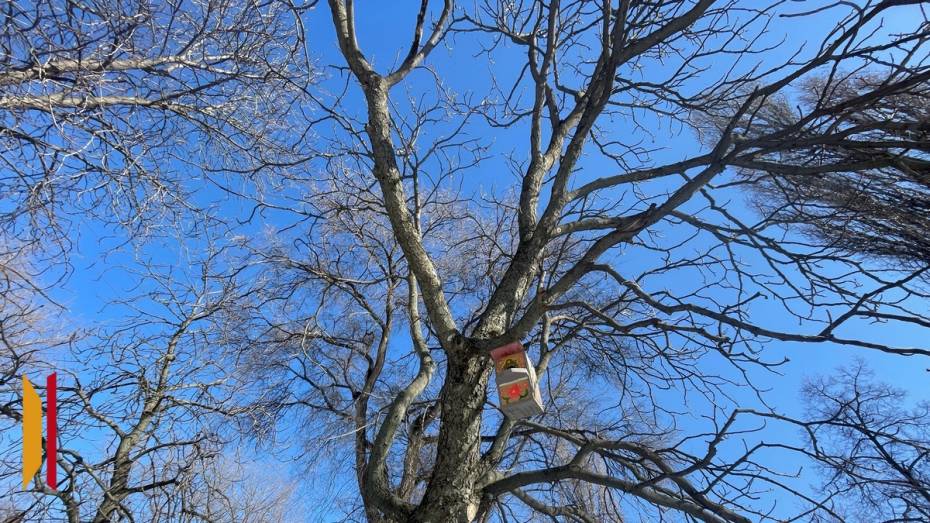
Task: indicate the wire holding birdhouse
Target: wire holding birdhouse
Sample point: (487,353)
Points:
(517,386)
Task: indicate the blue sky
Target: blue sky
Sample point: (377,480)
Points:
(384,28)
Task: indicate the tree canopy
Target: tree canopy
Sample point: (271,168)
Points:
(244,235)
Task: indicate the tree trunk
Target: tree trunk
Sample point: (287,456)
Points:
(451,492)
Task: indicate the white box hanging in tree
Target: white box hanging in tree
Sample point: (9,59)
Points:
(517,386)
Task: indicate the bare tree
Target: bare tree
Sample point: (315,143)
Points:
(21,320)
(122,111)
(228,489)
(26,337)
(587,67)
(150,392)
(870,443)
(121,114)
(862,189)
(613,241)
(874,448)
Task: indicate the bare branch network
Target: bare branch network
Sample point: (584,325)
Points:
(308,245)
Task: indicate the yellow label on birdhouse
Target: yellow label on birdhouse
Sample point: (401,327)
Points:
(512,361)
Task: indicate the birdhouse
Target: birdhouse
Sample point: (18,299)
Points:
(517,386)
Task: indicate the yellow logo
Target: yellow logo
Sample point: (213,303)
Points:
(32,432)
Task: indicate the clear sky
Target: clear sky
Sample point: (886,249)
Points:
(384,31)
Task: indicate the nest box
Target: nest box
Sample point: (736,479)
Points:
(516,381)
